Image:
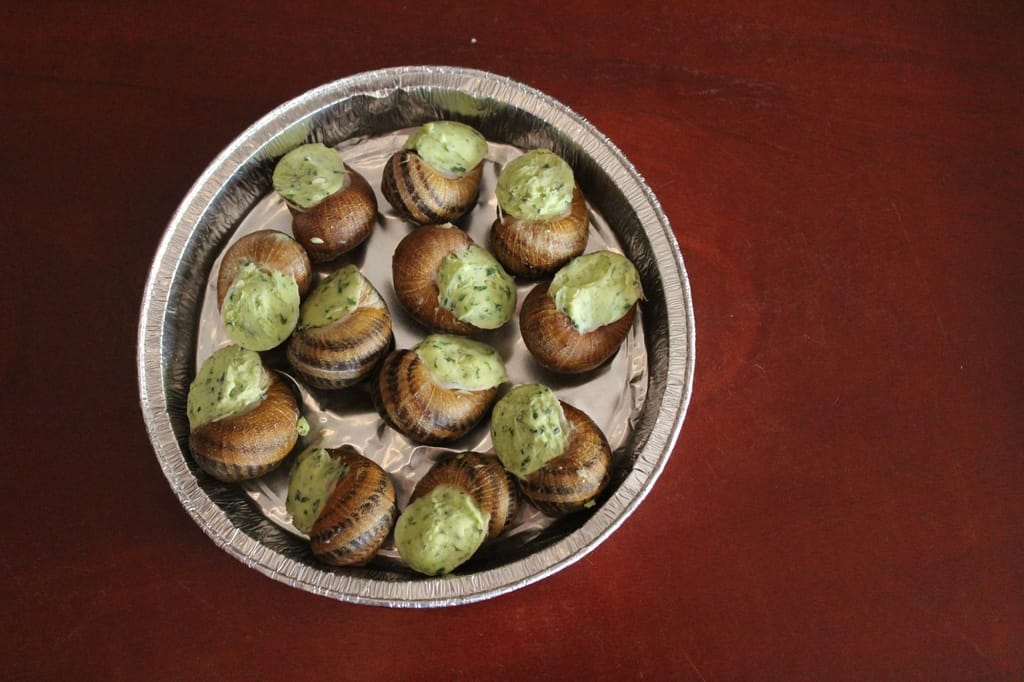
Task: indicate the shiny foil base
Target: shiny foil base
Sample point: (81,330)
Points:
(639,398)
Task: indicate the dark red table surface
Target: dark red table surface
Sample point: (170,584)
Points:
(846,498)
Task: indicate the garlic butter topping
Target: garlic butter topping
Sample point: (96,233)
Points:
(449,147)
(439,531)
(473,285)
(333,298)
(461,363)
(260,308)
(596,289)
(228,382)
(536,186)
(308,174)
(313,477)
(528,428)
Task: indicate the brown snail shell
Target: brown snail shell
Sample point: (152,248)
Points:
(571,481)
(414,269)
(411,402)
(534,248)
(425,195)
(347,350)
(271,251)
(552,339)
(358,516)
(250,443)
(339,223)
(483,478)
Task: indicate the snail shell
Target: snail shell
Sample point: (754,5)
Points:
(534,248)
(414,268)
(270,250)
(250,443)
(358,516)
(483,478)
(553,340)
(424,195)
(571,481)
(347,350)
(339,223)
(411,402)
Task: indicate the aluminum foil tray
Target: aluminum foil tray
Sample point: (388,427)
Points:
(639,398)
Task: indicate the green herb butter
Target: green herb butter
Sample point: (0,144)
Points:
(595,289)
(448,147)
(473,285)
(439,531)
(308,174)
(461,363)
(313,478)
(260,308)
(333,298)
(228,382)
(536,186)
(528,428)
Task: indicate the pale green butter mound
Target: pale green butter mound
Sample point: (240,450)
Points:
(528,428)
(448,146)
(228,382)
(313,478)
(260,309)
(596,289)
(536,186)
(308,174)
(476,289)
(333,298)
(459,363)
(438,532)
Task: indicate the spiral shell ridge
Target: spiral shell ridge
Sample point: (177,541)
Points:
(423,195)
(339,223)
(410,401)
(573,480)
(535,248)
(359,514)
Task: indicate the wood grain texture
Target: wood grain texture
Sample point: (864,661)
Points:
(845,184)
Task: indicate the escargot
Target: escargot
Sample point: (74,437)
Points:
(333,207)
(484,478)
(344,501)
(439,390)
(343,332)
(560,457)
(243,418)
(464,500)
(446,282)
(435,177)
(542,218)
(578,320)
(261,279)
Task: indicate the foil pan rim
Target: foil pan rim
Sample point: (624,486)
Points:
(158,311)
